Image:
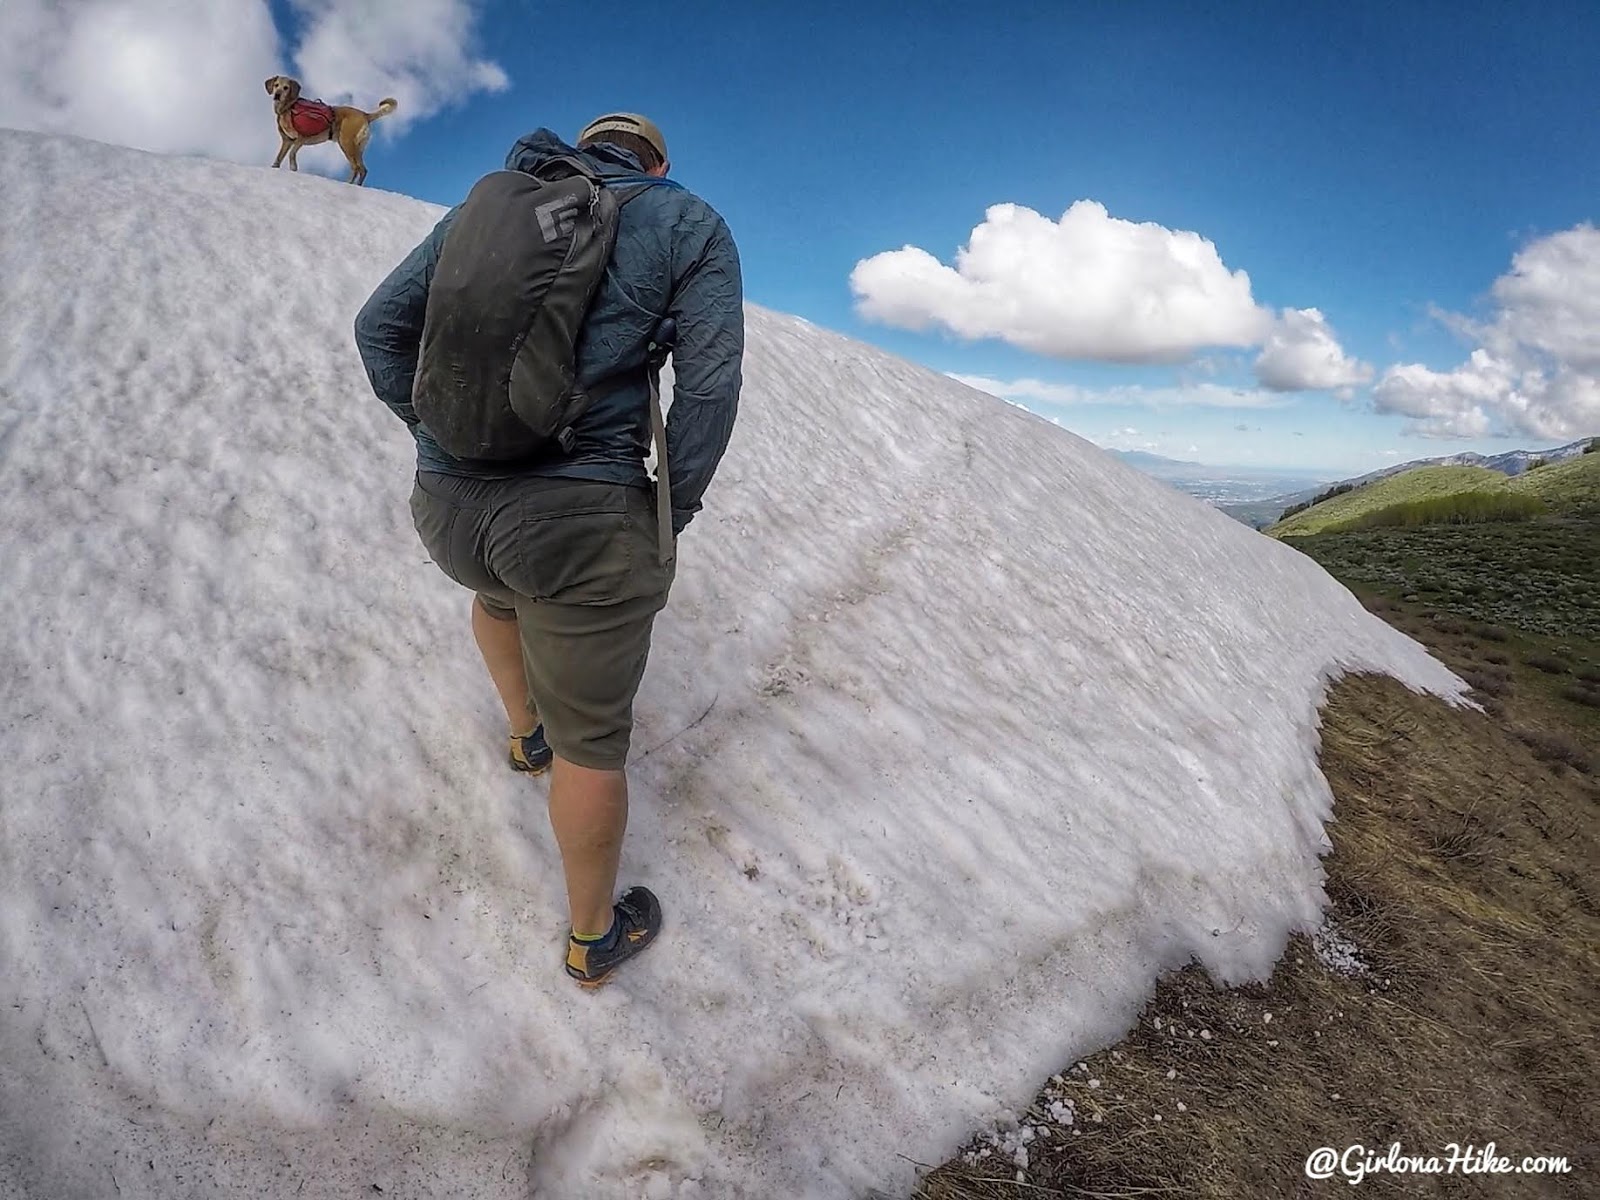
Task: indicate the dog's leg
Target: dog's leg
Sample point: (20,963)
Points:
(283,148)
(294,156)
(352,138)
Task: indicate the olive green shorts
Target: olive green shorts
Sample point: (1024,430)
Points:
(576,565)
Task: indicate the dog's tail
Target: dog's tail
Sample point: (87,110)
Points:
(385,106)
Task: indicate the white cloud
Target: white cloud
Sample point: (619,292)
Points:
(1087,286)
(1032,389)
(184,76)
(175,76)
(1128,439)
(418,51)
(1447,403)
(1200,395)
(1536,369)
(1302,354)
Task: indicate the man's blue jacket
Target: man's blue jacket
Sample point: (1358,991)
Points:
(674,258)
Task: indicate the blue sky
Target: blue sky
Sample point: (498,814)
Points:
(1379,163)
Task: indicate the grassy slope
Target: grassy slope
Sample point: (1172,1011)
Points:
(1420,484)
(1571,488)
(1539,577)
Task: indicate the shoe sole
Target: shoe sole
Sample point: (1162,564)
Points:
(599,981)
(530,768)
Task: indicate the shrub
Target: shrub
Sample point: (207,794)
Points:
(1493,633)
(1548,663)
(1594,445)
(1489,685)
(1497,658)
(1535,463)
(1580,693)
(1337,489)
(1459,508)
(1552,747)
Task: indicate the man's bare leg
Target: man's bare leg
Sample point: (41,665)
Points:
(500,643)
(589,813)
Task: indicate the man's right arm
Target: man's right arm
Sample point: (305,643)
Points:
(707,368)
(389,325)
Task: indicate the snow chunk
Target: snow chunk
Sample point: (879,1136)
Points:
(1337,952)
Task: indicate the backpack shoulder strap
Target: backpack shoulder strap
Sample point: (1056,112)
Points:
(565,166)
(665,545)
(662,343)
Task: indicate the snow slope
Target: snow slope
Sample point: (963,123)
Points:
(956,733)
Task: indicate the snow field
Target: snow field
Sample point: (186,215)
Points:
(956,733)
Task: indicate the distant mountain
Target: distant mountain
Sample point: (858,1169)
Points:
(1146,461)
(1175,468)
(1258,513)
(1512,462)
(1220,485)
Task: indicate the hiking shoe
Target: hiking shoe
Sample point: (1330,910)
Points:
(635,925)
(531,752)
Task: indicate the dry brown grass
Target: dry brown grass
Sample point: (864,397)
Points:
(1465,874)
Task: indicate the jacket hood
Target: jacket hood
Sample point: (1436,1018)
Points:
(542,145)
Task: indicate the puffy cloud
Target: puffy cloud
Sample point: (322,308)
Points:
(1536,369)
(1128,438)
(184,76)
(1202,395)
(1063,394)
(1447,403)
(1087,286)
(174,76)
(1549,302)
(418,51)
(1302,354)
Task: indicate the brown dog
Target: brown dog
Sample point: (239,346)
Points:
(350,127)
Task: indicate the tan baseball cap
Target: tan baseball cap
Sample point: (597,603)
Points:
(626,123)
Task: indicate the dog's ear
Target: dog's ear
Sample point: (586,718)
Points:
(270,82)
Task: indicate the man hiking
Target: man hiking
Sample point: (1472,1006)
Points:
(566,544)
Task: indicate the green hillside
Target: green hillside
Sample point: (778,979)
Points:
(1570,488)
(1424,483)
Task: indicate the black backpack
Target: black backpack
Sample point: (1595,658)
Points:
(519,268)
